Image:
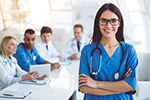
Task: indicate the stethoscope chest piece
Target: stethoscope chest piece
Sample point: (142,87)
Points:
(116,76)
(94,73)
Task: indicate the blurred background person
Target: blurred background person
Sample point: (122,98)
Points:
(73,47)
(45,47)
(27,54)
(10,71)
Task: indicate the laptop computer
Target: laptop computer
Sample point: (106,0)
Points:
(42,69)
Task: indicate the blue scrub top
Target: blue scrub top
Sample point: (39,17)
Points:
(26,58)
(109,67)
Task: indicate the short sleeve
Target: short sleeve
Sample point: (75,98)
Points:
(39,59)
(22,59)
(83,68)
(132,63)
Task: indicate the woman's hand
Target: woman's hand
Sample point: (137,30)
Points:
(127,74)
(31,76)
(42,78)
(85,80)
(60,57)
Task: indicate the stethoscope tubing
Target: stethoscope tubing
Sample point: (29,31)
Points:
(116,76)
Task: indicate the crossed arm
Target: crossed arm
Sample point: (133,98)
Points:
(90,86)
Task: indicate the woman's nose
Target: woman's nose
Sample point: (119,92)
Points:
(108,24)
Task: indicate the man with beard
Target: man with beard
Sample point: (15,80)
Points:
(27,54)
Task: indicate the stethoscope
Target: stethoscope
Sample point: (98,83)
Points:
(116,76)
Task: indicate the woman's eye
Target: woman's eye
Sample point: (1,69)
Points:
(114,20)
(104,20)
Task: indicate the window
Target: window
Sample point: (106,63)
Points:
(136,15)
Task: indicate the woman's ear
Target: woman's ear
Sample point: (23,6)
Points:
(119,24)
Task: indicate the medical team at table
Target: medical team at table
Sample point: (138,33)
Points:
(100,74)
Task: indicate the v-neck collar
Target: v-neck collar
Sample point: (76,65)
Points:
(107,57)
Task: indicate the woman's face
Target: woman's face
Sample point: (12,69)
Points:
(110,29)
(12,46)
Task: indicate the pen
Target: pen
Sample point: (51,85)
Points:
(8,94)
(46,81)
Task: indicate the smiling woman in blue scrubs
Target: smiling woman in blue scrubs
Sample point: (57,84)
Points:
(108,36)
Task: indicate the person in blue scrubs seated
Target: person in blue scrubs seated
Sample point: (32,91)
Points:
(27,54)
(97,72)
(10,71)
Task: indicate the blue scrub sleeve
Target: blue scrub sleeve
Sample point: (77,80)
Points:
(39,60)
(132,63)
(83,68)
(22,59)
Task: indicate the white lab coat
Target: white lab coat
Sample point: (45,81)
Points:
(49,54)
(10,72)
(71,47)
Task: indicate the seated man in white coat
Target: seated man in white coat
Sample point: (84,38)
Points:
(74,46)
(45,47)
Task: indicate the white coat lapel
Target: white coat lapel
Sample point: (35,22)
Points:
(74,48)
(9,68)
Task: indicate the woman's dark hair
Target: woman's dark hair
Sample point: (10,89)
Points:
(97,35)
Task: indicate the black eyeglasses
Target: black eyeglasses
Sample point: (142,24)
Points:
(113,22)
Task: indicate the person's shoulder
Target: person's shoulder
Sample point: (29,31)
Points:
(1,57)
(39,42)
(128,48)
(20,46)
(50,43)
(86,38)
(90,46)
(127,45)
(13,59)
(2,60)
(20,50)
(71,40)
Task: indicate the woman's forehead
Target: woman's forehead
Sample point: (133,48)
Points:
(107,14)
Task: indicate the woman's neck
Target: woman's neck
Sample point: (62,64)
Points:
(109,42)
(9,56)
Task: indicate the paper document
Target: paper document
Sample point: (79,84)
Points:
(36,81)
(57,70)
(14,94)
(65,63)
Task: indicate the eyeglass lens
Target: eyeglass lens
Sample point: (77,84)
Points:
(113,22)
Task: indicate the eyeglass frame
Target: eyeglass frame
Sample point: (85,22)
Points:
(109,21)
